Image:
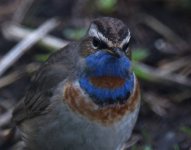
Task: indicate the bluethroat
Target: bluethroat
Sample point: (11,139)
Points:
(85,96)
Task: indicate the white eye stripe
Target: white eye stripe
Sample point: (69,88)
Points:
(125,40)
(93,32)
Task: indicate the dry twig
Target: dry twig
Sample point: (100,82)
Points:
(158,104)
(16,75)
(174,65)
(157,75)
(16,52)
(21,10)
(5,118)
(152,22)
(17,33)
(9,8)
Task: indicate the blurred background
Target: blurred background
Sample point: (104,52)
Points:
(161,36)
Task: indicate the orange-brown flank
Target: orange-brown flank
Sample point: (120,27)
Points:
(106,115)
(107,82)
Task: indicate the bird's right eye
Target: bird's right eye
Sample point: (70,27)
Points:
(125,46)
(96,42)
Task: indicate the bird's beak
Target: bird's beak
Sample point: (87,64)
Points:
(116,52)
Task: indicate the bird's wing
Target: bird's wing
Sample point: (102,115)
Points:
(37,98)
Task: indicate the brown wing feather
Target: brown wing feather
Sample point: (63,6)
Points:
(37,98)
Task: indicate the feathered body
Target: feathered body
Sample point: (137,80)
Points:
(82,97)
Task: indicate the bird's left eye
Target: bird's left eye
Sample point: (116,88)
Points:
(97,43)
(125,46)
(126,49)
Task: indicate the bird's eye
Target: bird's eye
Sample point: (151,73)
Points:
(126,49)
(97,43)
(125,46)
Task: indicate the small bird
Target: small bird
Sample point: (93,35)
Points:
(85,96)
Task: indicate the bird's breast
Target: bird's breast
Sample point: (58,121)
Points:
(80,103)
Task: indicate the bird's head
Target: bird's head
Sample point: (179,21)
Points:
(105,50)
(106,47)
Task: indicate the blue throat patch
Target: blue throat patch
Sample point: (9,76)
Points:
(103,64)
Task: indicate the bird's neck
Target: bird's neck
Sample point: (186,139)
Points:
(107,80)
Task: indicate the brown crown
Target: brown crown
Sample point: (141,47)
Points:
(114,29)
